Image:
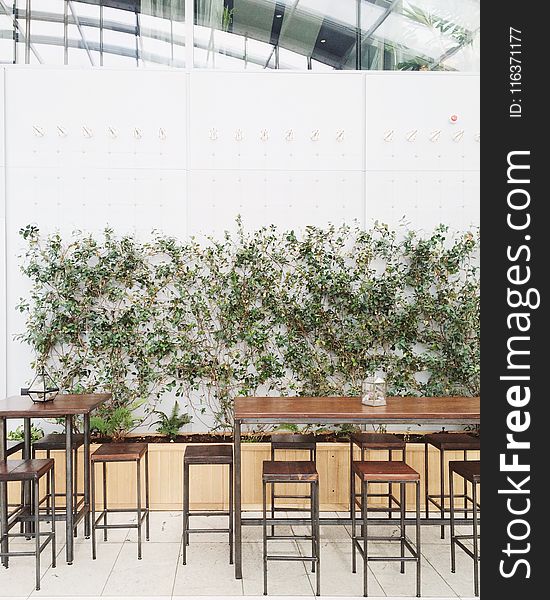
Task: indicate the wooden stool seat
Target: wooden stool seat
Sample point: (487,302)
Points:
(289,471)
(56,441)
(385,471)
(293,441)
(452,441)
(208,454)
(120,452)
(13,447)
(377,441)
(24,470)
(468,469)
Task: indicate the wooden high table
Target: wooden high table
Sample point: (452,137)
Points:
(65,406)
(333,411)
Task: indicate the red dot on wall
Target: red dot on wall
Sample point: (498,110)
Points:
(453,118)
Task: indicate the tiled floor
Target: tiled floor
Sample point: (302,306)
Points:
(118,574)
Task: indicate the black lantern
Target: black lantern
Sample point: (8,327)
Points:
(42,389)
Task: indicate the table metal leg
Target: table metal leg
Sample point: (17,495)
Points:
(3,492)
(27,449)
(69,522)
(87,475)
(238,515)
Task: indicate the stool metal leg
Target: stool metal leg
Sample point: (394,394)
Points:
(48,488)
(147,495)
(264,523)
(351,478)
(37,531)
(231,524)
(390,452)
(353,526)
(403,498)
(465,489)
(475,540)
(92,508)
(272,495)
(316,534)
(75,488)
(427,503)
(105,501)
(185,512)
(364,510)
(452,521)
(53,540)
(138,503)
(442,489)
(418,552)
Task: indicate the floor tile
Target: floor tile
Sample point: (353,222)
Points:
(153,575)
(65,579)
(207,572)
(285,578)
(461,582)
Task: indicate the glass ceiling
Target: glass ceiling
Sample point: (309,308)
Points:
(244,34)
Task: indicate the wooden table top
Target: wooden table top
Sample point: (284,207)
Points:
(20,407)
(406,409)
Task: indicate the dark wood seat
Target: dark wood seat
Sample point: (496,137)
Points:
(377,441)
(293,441)
(24,470)
(452,441)
(13,447)
(385,471)
(119,452)
(208,454)
(289,471)
(56,441)
(468,469)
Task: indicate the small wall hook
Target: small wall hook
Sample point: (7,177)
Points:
(289,136)
(38,131)
(477,137)
(162,133)
(340,135)
(137,133)
(435,135)
(61,131)
(457,137)
(87,132)
(388,135)
(315,134)
(213,134)
(264,135)
(411,135)
(112,131)
(239,136)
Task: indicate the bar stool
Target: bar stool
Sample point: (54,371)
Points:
(469,470)
(376,441)
(446,442)
(33,471)
(296,471)
(291,441)
(50,443)
(120,453)
(385,472)
(208,454)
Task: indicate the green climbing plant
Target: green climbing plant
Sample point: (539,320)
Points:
(252,313)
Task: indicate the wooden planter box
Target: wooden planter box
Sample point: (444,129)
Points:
(209,483)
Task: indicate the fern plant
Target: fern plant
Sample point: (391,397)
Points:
(170,425)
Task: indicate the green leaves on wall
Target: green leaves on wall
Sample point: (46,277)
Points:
(253,313)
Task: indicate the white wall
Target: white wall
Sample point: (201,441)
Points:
(158,166)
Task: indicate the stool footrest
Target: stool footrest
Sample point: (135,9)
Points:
(294,496)
(468,551)
(206,530)
(208,514)
(290,537)
(295,558)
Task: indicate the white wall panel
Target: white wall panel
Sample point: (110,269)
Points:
(285,199)
(226,105)
(146,111)
(423,200)
(405,103)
